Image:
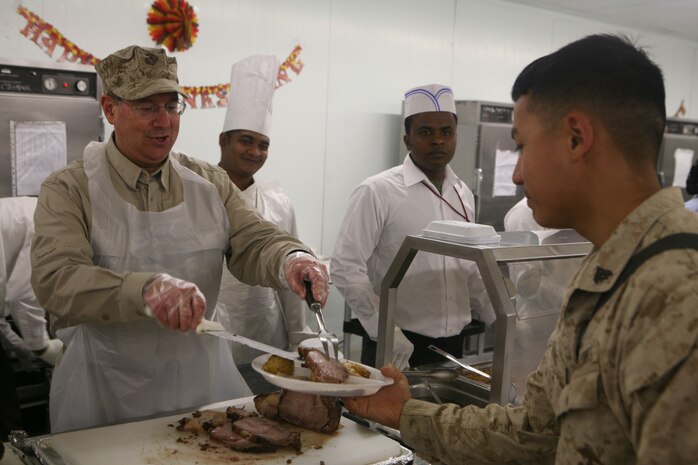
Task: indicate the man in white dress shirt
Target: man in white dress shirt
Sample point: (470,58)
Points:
(260,313)
(437,293)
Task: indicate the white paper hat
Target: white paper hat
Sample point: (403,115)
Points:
(430,97)
(252,85)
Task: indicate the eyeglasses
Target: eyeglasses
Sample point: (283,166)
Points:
(150,110)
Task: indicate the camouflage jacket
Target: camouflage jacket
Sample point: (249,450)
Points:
(627,395)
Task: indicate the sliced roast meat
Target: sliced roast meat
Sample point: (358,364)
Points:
(265,430)
(324,369)
(237,413)
(190,425)
(268,404)
(231,438)
(204,420)
(317,413)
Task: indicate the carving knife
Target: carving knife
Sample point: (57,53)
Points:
(214,328)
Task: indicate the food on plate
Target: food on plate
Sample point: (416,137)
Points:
(278,366)
(324,369)
(317,413)
(355,369)
(241,430)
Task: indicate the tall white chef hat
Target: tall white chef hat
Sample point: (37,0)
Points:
(430,97)
(252,85)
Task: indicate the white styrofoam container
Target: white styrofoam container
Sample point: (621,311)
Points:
(462,232)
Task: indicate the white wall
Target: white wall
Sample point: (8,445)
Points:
(338,121)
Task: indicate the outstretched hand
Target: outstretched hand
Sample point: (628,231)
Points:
(385,406)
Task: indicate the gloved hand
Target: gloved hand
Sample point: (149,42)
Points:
(175,303)
(301,266)
(53,352)
(402,350)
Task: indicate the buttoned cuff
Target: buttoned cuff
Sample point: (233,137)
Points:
(131,305)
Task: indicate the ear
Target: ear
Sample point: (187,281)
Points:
(579,133)
(108,105)
(222,140)
(406,140)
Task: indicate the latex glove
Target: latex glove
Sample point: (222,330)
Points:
(301,266)
(53,352)
(402,349)
(175,303)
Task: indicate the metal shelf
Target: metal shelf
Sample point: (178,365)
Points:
(514,247)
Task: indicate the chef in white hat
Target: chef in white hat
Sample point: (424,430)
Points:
(267,315)
(437,293)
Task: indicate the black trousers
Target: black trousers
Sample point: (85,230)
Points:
(421,355)
(9,403)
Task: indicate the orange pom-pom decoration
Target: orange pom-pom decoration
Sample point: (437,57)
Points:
(173,23)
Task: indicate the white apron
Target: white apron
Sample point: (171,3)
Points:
(253,311)
(122,371)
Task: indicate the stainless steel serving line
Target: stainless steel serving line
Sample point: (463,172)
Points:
(491,260)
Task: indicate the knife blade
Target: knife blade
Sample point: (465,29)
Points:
(214,328)
(443,353)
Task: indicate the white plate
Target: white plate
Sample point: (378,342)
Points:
(354,386)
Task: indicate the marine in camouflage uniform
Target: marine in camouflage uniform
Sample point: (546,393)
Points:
(630,396)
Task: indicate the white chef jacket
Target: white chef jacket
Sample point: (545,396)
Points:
(692,203)
(435,296)
(540,292)
(541,284)
(262,313)
(16,294)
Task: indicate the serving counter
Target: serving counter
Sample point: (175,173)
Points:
(156,441)
(539,262)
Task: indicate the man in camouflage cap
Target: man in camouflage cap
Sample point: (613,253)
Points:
(128,253)
(617,384)
(137,72)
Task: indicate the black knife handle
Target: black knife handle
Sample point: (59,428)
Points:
(309,298)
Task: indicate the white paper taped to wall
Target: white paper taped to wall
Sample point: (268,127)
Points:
(38,149)
(683,159)
(504,164)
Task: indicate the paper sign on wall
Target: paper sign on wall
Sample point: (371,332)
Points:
(38,149)
(504,164)
(683,159)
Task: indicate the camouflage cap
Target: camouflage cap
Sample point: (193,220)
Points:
(137,72)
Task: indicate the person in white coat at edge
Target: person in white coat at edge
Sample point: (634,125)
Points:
(437,293)
(17,297)
(272,316)
(540,289)
(127,257)
(692,188)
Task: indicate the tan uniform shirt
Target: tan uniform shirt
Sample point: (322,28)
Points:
(631,397)
(75,291)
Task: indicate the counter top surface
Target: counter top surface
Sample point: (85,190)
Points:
(156,442)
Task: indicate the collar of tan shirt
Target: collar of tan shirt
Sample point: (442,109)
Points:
(605,263)
(129,172)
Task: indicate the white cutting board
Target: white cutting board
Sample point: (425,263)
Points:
(154,442)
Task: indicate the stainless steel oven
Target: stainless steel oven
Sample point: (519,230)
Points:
(48,114)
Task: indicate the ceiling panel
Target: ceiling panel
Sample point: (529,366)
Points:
(678,18)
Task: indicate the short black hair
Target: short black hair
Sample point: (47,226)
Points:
(610,78)
(409,119)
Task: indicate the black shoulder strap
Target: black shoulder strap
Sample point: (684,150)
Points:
(672,242)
